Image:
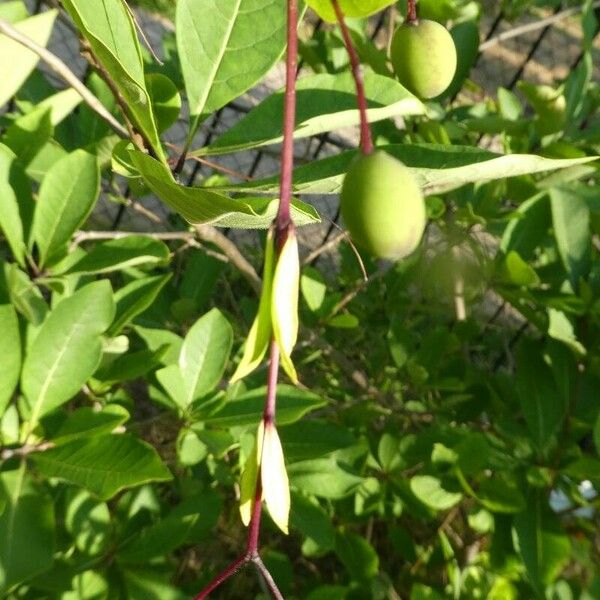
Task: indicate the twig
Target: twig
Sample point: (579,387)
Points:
(142,34)
(90,236)
(63,71)
(26,450)
(332,243)
(529,27)
(366,140)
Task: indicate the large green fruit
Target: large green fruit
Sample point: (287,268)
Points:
(424,58)
(383,206)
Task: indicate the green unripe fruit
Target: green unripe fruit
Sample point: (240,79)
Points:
(424,58)
(383,206)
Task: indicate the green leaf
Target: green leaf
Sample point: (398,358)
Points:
(247,409)
(29,134)
(26,529)
(165,98)
(11,224)
(199,205)
(85,422)
(571,223)
(350,8)
(88,522)
(214,38)
(14,72)
(103,464)
(312,522)
(437,168)
(10,351)
(134,298)
(325,102)
(313,288)
(542,403)
(357,555)
(560,328)
(67,196)
(514,270)
(188,521)
(430,492)
(150,585)
(122,253)
(24,294)
(204,355)
(308,439)
(541,542)
(500,495)
(109,28)
(66,350)
(325,478)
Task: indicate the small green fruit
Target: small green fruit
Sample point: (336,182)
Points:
(383,206)
(424,58)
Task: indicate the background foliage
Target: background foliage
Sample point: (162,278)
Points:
(444,443)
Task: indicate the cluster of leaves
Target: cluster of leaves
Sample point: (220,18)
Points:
(448,444)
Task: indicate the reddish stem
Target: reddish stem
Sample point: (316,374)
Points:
(284,219)
(366,140)
(232,569)
(411,11)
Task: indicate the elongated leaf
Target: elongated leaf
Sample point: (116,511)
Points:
(26,529)
(198,205)
(85,422)
(324,478)
(357,554)
(571,224)
(66,349)
(429,490)
(275,483)
(249,478)
(14,72)
(543,546)
(437,169)
(247,409)
(350,8)
(284,305)
(260,333)
(204,354)
(10,218)
(226,46)
(103,464)
(67,196)
(325,102)
(129,251)
(10,351)
(542,403)
(108,27)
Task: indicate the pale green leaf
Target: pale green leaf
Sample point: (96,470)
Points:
(350,8)
(429,490)
(66,350)
(10,351)
(275,483)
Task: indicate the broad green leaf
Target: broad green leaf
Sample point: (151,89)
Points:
(515,271)
(67,196)
(571,224)
(171,380)
(61,104)
(14,72)
(28,135)
(24,294)
(560,328)
(324,102)
(310,438)
(312,521)
(122,253)
(160,338)
(259,336)
(284,304)
(66,350)
(134,298)
(88,522)
(85,422)
(437,168)
(527,228)
(357,555)
(430,492)
(103,464)
(541,542)
(10,351)
(542,403)
(26,529)
(109,28)
(165,98)
(225,47)
(200,205)
(275,483)
(313,287)
(204,355)
(247,408)
(350,8)
(325,478)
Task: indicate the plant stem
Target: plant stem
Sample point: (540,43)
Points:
(366,140)
(231,570)
(283,219)
(411,11)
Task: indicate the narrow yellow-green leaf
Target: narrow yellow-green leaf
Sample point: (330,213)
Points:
(275,483)
(284,303)
(249,477)
(261,330)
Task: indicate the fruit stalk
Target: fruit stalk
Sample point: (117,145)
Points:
(411,11)
(366,140)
